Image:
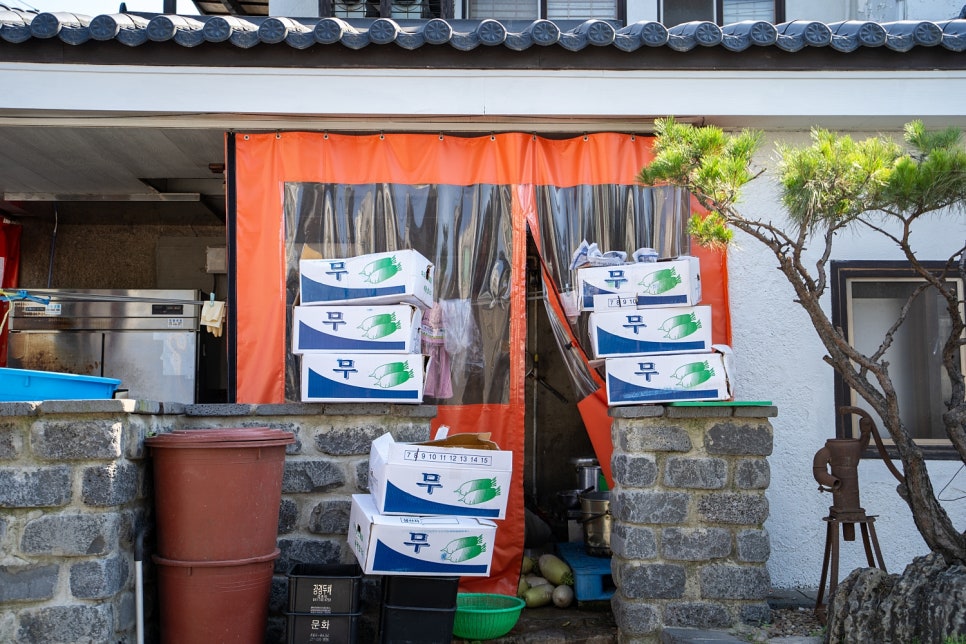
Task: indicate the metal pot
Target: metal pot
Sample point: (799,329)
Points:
(596,520)
(587,472)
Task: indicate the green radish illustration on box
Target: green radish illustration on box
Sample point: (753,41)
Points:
(464,548)
(680,326)
(382,330)
(380,270)
(660,281)
(478,491)
(392,374)
(693,374)
(683,330)
(676,320)
(378,320)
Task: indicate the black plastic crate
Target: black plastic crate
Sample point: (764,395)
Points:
(406,625)
(324,589)
(322,629)
(420,592)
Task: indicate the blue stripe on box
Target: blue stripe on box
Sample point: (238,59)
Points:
(608,342)
(386,559)
(653,300)
(322,387)
(619,390)
(312,338)
(398,500)
(313,291)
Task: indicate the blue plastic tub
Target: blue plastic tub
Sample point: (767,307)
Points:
(22,385)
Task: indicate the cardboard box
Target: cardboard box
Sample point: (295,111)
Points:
(426,546)
(669,378)
(363,377)
(631,332)
(460,475)
(392,328)
(671,283)
(398,277)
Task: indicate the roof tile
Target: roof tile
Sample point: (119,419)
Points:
(134,29)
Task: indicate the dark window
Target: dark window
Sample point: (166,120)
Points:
(867,298)
(396,9)
(547,9)
(722,12)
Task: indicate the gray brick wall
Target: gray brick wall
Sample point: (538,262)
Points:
(75,488)
(689,545)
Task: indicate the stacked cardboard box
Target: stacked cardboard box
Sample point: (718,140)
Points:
(357,327)
(654,338)
(431,506)
(427,521)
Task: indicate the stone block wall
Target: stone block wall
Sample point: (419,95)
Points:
(75,490)
(688,509)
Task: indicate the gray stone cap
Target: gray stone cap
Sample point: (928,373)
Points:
(732,410)
(134,29)
(149,407)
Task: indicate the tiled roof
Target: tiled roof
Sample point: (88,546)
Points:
(135,29)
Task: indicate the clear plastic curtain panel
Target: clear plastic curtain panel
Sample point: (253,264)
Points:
(464,230)
(616,218)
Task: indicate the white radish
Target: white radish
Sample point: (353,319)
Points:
(562,596)
(537,580)
(555,570)
(528,564)
(538,596)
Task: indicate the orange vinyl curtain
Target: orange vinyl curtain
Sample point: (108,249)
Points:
(9,274)
(465,203)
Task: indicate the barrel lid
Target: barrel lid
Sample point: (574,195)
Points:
(184,437)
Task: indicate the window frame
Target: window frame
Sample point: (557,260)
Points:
(841,272)
(621,10)
(719,11)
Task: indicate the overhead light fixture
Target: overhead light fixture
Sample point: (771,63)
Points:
(144,196)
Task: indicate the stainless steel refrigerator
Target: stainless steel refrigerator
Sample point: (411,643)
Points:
(147,338)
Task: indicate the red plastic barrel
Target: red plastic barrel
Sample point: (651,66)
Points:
(217,492)
(223,601)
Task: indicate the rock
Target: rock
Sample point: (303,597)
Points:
(926,603)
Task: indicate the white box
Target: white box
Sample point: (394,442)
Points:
(396,277)
(632,332)
(672,283)
(426,546)
(440,477)
(363,377)
(392,328)
(669,378)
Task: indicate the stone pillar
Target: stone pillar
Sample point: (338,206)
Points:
(689,506)
(72,497)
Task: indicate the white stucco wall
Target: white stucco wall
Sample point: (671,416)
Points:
(779,358)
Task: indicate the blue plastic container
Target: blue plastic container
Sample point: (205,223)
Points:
(23,385)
